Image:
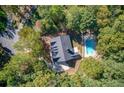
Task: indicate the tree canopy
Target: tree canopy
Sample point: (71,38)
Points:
(52,18)
(3,20)
(28,68)
(80,18)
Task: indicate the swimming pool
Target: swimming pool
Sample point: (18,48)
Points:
(89,47)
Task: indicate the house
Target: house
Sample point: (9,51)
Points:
(62,52)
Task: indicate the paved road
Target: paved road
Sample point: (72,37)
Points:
(9,42)
(13,33)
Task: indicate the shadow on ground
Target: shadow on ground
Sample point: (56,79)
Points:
(75,36)
(5,57)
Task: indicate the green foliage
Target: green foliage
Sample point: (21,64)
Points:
(29,41)
(52,18)
(89,82)
(81,18)
(91,68)
(22,68)
(26,33)
(119,23)
(63,80)
(73,17)
(3,20)
(10,9)
(43,80)
(88,20)
(103,16)
(110,44)
(4,56)
(26,68)
(13,12)
(113,70)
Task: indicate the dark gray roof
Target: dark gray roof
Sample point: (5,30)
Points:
(61,49)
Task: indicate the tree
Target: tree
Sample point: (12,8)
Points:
(20,14)
(88,20)
(103,16)
(3,20)
(21,69)
(4,56)
(29,42)
(91,68)
(110,44)
(13,13)
(119,23)
(27,68)
(73,14)
(110,38)
(13,71)
(113,70)
(10,9)
(81,18)
(52,18)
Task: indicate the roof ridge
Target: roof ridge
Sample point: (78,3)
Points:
(62,48)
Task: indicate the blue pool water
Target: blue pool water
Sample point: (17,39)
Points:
(90,47)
